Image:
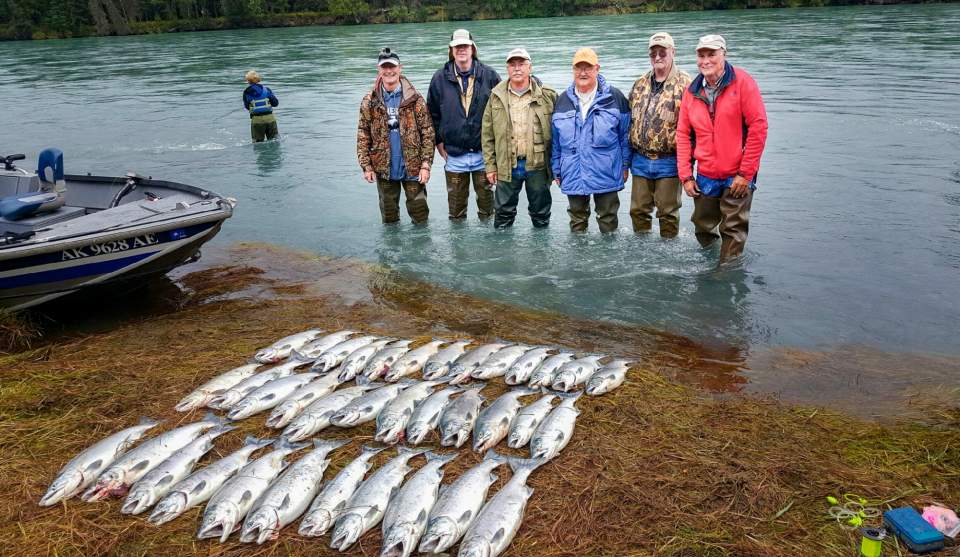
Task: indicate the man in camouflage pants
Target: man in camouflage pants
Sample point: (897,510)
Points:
(655,109)
(395,141)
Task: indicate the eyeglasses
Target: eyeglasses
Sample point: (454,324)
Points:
(654,54)
(583,71)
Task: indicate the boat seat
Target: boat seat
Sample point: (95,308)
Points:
(42,220)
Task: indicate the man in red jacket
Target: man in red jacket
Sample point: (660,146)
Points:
(723,126)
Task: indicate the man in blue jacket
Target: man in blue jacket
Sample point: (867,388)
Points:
(260,100)
(457,98)
(591,145)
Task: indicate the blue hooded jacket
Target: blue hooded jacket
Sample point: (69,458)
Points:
(255,92)
(589,155)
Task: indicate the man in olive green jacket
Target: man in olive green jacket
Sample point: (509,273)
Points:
(515,137)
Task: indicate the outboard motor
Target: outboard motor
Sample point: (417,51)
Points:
(51,196)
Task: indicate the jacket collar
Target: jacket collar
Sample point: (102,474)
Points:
(450,70)
(603,91)
(501,89)
(696,87)
(409,93)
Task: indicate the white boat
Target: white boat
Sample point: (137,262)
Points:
(61,233)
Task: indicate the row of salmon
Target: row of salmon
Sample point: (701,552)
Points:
(261,497)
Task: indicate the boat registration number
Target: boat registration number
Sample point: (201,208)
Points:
(109,247)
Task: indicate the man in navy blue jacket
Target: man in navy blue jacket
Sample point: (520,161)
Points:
(260,100)
(591,146)
(457,98)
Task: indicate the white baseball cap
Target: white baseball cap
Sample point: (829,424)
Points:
(713,42)
(518,53)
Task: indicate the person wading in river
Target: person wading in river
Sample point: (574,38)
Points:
(457,98)
(655,108)
(590,152)
(516,142)
(260,101)
(723,126)
(395,141)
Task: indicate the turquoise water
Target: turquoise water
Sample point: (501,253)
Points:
(855,235)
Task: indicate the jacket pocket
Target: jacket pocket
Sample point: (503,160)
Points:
(605,133)
(566,129)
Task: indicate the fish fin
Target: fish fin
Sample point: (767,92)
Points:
(270,396)
(372,511)
(497,537)
(94,465)
(140,465)
(145,421)
(574,396)
(247,495)
(522,464)
(371,450)
(251,440)
(165,480)
(285,503)
(421,516)
(331,444)
(505,421)
(214,419)
(284,444)
(199,487)
(494,455)
(444,458)
(465,517)
(221,429)
(559,436)
(404,450)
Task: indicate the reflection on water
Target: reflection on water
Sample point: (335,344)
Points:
(855,232)
(269,156)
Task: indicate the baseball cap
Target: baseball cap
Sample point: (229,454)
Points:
(388,56)
(713,42)
(586,55)
(461,37)
(661,39)
(518,53)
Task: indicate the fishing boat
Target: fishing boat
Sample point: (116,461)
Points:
(61,234)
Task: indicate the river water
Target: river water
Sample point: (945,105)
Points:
(856,225)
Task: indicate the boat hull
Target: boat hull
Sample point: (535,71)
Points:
(128,255)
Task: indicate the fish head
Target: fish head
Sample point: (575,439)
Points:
(110,484)
(400,540)
(346,417)
(282,414)
(518,438)
(454,434)
(139,499)
(192,401)
(301,427)
(599,384)
(482,435)
(348,371)
(540,448)
(442,532)
(434,370)
(242,409)
(219,522)
(417,432)
(390,430)
(346,531)
(316,523)
(564,381)
(271,355)
(262,525)
(225,400)
(168,508)
(66,485)
(475,547)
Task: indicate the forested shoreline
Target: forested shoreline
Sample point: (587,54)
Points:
(45,19)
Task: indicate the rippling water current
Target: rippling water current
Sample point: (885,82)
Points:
(856,227)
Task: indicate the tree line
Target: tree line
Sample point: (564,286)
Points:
(37,19)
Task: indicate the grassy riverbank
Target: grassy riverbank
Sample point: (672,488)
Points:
(655,468)
(45,19)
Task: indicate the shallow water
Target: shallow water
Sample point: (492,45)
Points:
(855,228)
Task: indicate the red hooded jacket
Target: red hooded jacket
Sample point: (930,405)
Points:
(729,141)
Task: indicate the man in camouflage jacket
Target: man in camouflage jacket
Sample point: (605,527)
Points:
(655,109)
(395,141)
